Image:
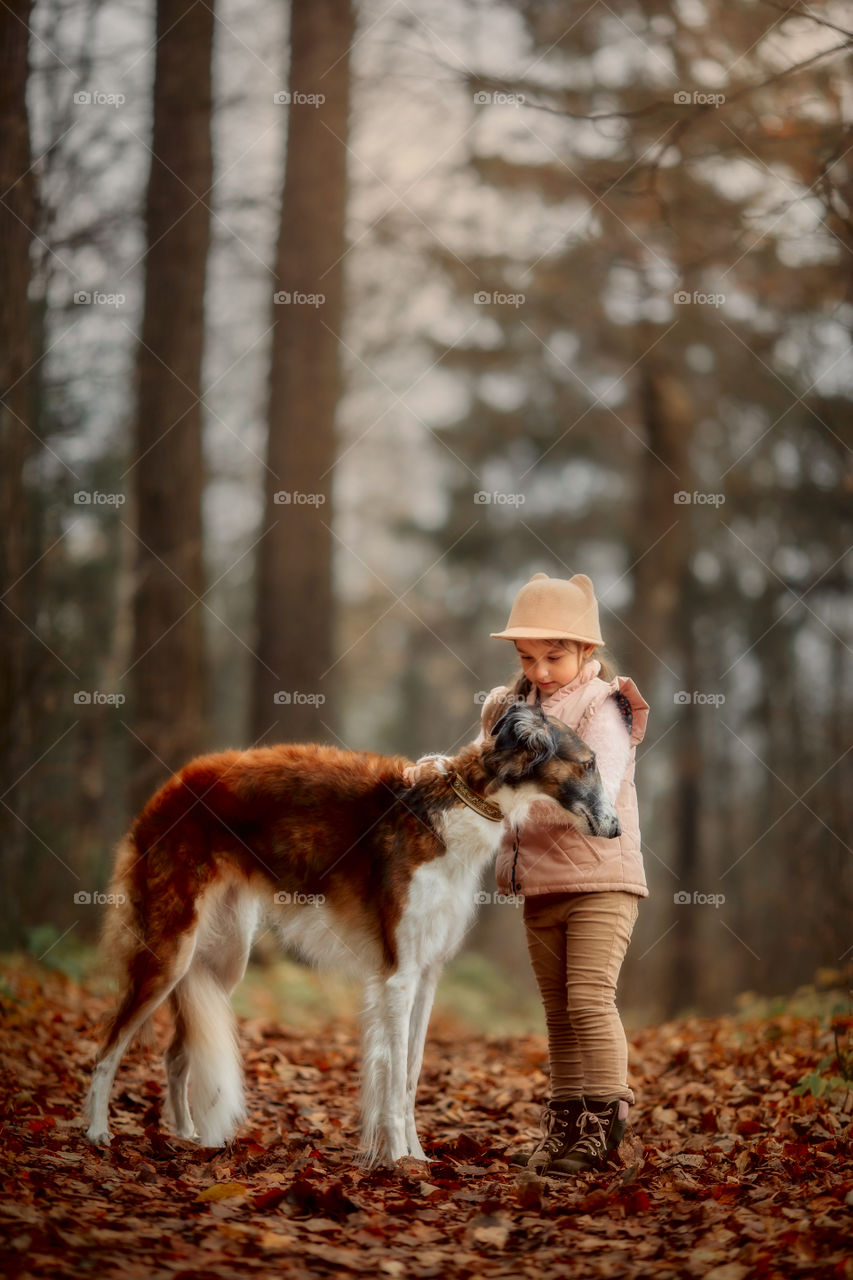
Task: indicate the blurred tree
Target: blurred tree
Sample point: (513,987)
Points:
(168,671)
(595,399)
(18,439)
(295,635)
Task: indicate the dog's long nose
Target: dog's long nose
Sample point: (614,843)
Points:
(608,822)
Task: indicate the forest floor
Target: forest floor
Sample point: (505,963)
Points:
(725,1172)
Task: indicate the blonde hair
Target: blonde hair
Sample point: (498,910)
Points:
(520,688)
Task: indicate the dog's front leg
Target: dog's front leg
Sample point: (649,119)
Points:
(387,1016)
(419,1021)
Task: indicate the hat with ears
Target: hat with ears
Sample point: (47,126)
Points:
(554,609)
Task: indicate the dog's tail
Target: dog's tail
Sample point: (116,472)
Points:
(375,1078)
(123,932)
(206,1025)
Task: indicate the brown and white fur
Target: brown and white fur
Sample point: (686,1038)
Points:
(354,867)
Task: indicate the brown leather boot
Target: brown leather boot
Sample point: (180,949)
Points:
(601,1128)
(559,1126)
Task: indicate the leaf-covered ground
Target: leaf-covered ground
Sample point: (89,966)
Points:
(725,1173)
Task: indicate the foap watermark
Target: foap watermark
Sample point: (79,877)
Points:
(483,98)
(482,694)
(87,298)
(96,698)
(94,498)
(682,498)
(285,899)
(292,697)
(693,698)
(83,898)
(683,298)
(684,899)
(486,297)
(698,98)
(484,498)
(285,299)
(83,98)
(296,498)
(500,899)
(296,99)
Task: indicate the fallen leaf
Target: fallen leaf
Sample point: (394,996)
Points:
(222,1191)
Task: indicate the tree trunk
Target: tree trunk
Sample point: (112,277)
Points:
(17,212)
(660,544)
(688,946)
(664,643)
(293,681)
(168,678)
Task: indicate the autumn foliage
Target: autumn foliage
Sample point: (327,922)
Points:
(732,1167)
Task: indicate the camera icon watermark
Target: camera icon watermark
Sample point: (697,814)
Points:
(94,498)
(684,899)
(486,297)
(285,899)
(683,298)
(686,698)
(289,697)
(482,897)
(295,497)
(482,695)
(95,698)
(82,898)
(285,298)
(696,98)
(83,98)
(682,498)
(484,498)
(87,298)
(287,99)
(482,98)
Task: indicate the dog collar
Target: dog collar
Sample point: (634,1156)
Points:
(485,808)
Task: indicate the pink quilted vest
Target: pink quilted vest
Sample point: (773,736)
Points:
(560,859)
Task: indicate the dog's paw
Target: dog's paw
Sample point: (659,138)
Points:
(213,1141)
(188,1135)
(99,1138)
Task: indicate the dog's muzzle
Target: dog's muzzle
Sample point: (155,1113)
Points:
(602,820)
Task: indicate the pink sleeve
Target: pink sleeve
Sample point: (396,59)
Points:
(607,735)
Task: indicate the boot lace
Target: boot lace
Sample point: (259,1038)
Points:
(593,1139)
(553,1127)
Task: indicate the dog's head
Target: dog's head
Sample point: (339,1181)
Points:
(538,756)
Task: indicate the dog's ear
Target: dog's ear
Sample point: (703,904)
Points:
(524,728)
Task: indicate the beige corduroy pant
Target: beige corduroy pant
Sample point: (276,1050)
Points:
(577,942)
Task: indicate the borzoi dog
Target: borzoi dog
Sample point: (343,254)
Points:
(355,868)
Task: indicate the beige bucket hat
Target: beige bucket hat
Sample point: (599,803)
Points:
(554,609)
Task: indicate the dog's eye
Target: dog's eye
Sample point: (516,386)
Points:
(589,765)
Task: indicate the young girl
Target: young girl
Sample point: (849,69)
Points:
(581,893)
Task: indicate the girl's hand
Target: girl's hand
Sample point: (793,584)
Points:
(426,767)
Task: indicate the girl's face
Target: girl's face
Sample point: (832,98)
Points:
(549,664)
